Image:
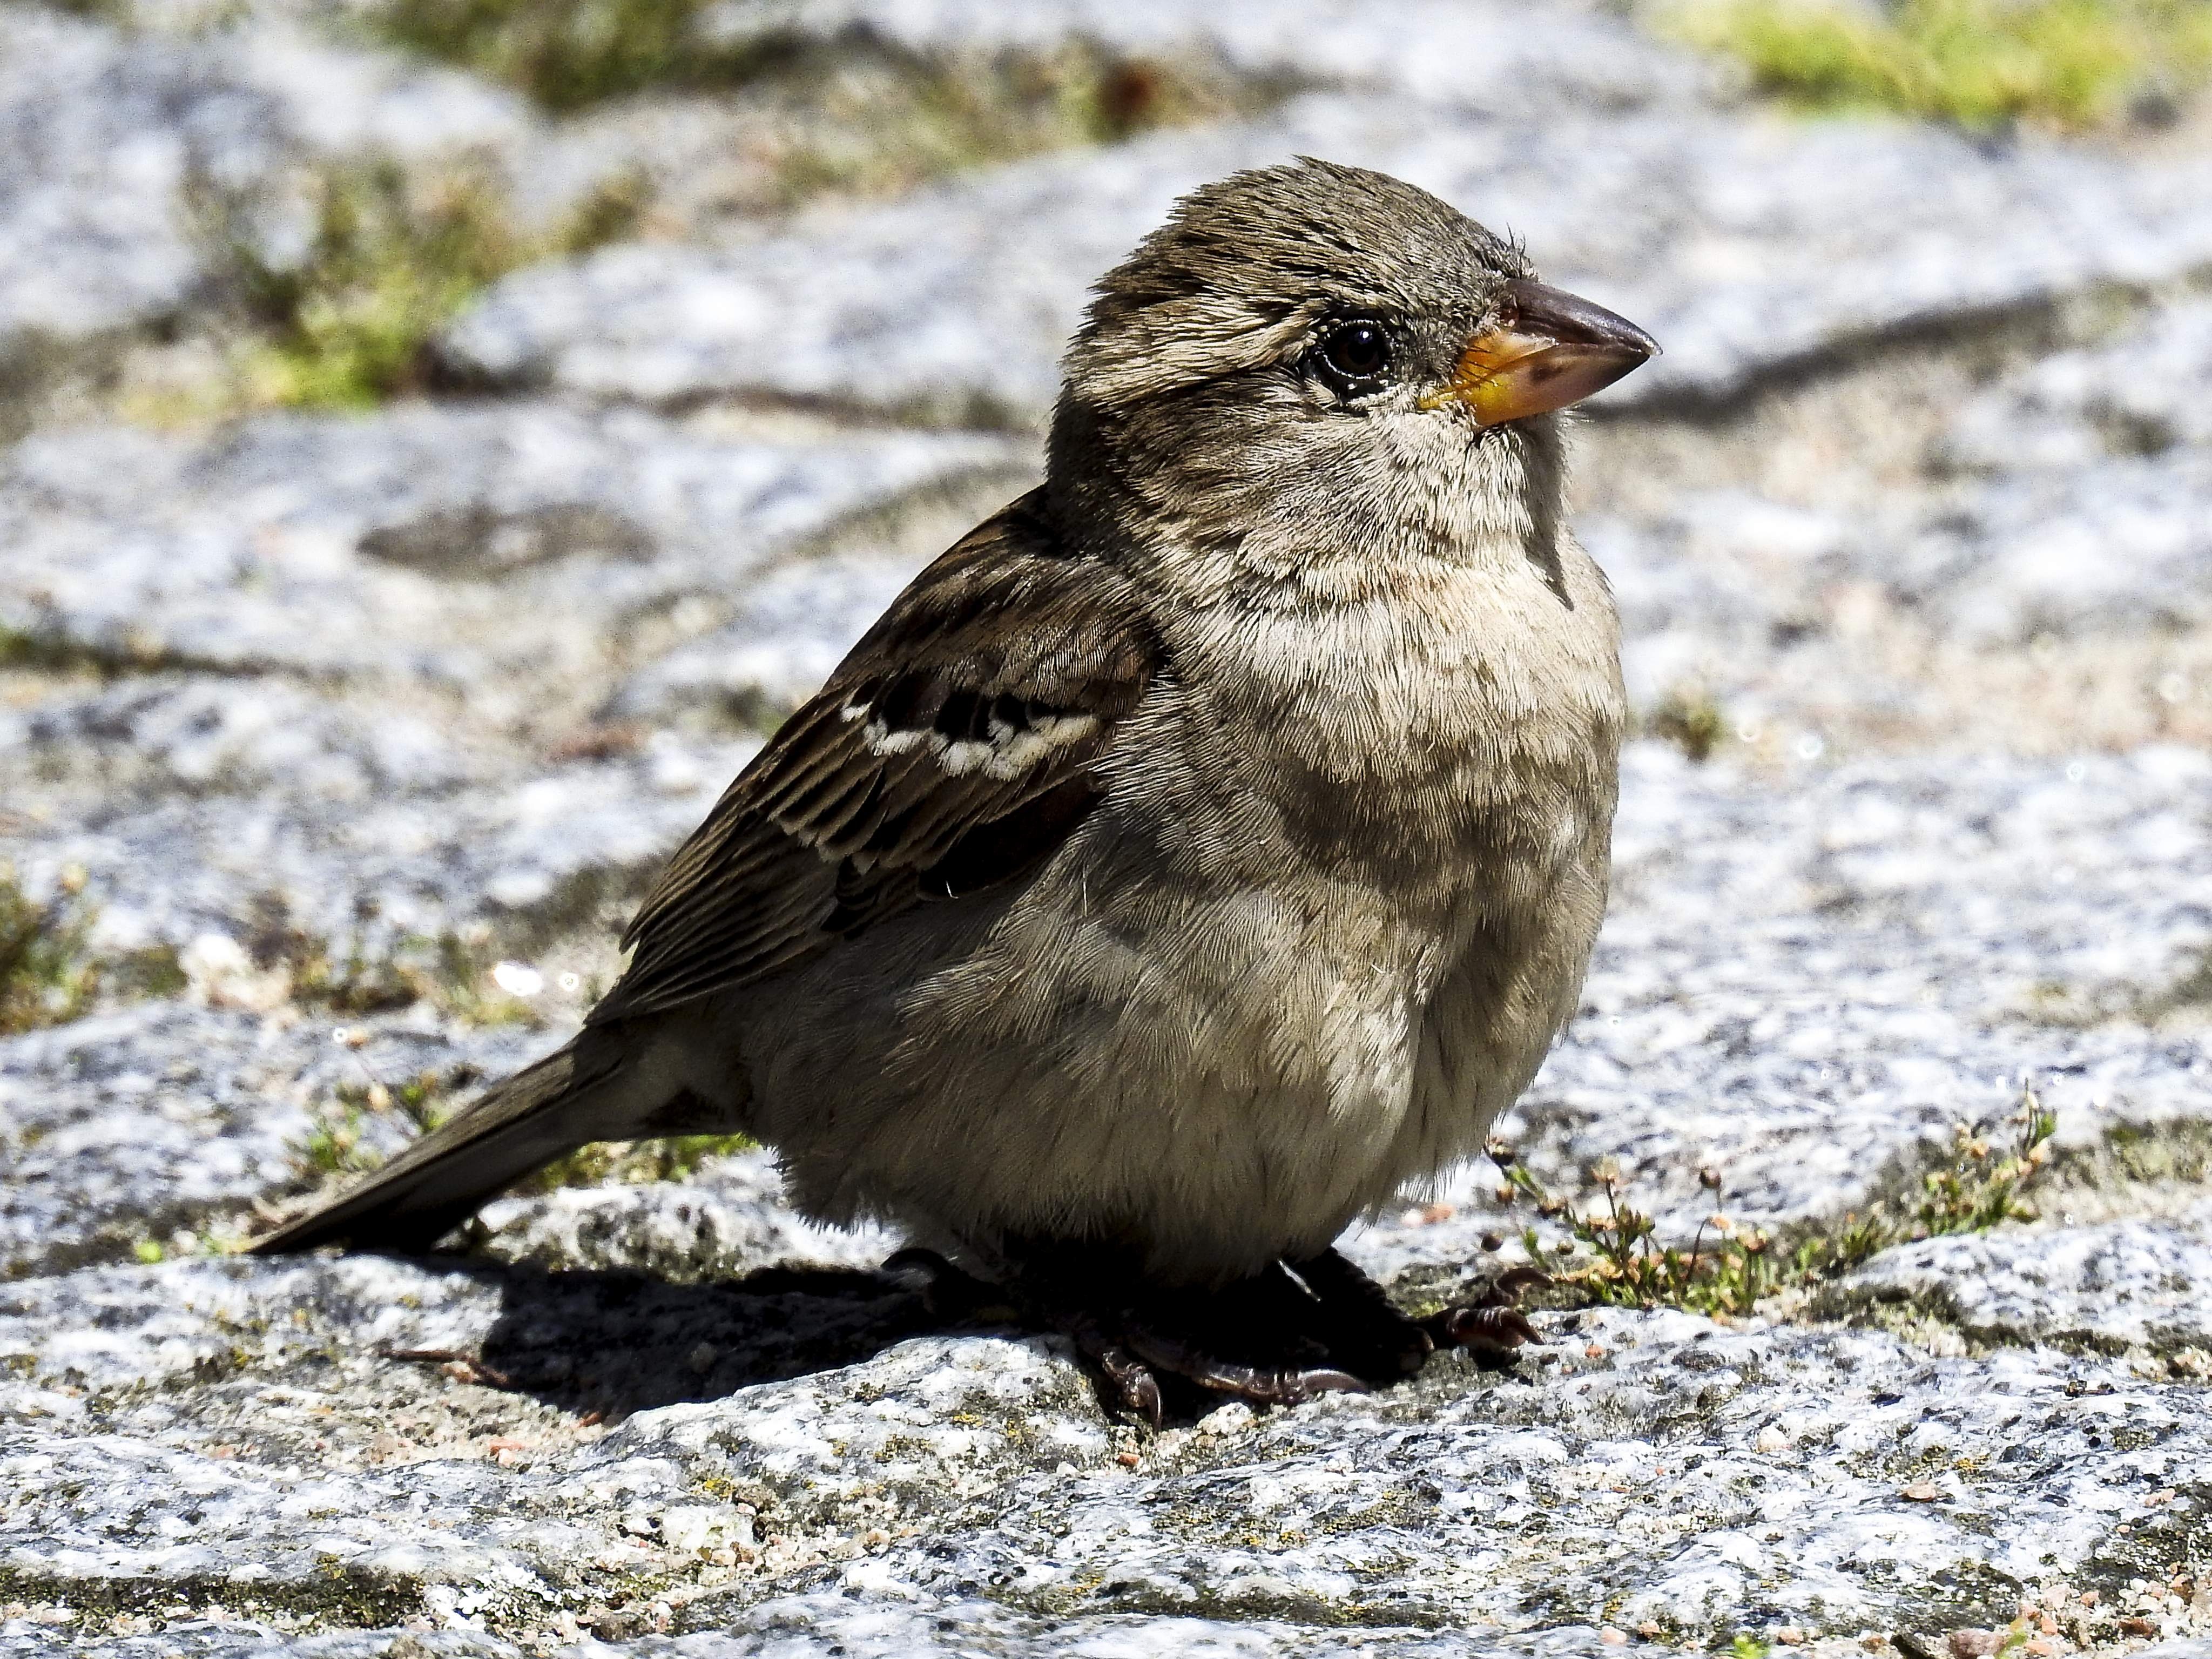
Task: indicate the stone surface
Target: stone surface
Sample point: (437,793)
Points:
(121,1130)
(531,856)
(1744,245)
(724,1222)
(793,626)
(1648,1470)
(1859,1001)
(1533,57)
(334,714)
(2124,1287)
(134,158)
(1929,556)
(455,546)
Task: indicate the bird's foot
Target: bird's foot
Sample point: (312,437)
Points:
(1283,1335)
(1132,1347)
(1355,1320)
(1251,1340)
(1493,1328)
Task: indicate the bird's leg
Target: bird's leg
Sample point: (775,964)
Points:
(1357,1322)
(1492,1328)
(1247,1341)
(947,1290)
(952,1292)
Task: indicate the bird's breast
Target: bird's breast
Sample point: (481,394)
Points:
(1463,732)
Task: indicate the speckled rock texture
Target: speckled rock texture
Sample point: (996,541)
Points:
(452,545)
(136,160)
(1537,57)
(335,747)
(1746,245)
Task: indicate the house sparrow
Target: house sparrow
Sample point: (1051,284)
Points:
(1205,849)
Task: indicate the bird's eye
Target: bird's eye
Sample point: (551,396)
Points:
(1354,356)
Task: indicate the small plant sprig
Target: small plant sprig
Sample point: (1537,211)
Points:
(1611,1257)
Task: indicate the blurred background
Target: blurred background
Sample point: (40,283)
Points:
(443,436)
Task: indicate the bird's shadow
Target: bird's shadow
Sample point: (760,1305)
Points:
(618,1342)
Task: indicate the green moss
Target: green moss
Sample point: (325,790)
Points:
(2071,64)
(675,1158)
(392,260)
(853,114)
(891,123)
(569,54)
(340,1143)
(1691,719)
(1610,1258)
(2190,992)
(334,1146)
(451,971)
(48,974)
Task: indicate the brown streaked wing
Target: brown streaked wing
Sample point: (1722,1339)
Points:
(950,752)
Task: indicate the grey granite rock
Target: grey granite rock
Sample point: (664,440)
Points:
(179,734)
(1879,591)
(727,1220)
(120,1130)
(2118,1287)
(2089,474)
(1862,995)
(2134,393)
(1746,245)
(1644,1468)
(1530,56)
(497,550)
(2119,543)
(792,627)
(531,856)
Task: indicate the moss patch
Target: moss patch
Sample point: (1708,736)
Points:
(2071,63)
(453,971)
(1611,1258)
(569,54)
(393,255)
(1689,718)
(391,260)
(49,971)
(675,1158)
(853,115)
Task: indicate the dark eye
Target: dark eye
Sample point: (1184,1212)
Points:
(1354,356)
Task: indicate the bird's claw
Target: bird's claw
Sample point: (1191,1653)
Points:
(1263,1385)
(1135,1384)
(1493,1330)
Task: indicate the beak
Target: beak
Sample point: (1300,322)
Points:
(1548,349)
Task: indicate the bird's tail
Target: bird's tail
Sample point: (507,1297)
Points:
(565,1100)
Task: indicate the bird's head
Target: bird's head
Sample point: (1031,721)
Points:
(1317,356)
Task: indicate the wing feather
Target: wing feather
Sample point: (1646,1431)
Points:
(953,750)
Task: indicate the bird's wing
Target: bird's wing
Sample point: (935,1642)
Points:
(951,750)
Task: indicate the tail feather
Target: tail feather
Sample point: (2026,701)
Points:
(519,1125)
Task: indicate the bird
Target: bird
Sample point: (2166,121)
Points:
(1197,857)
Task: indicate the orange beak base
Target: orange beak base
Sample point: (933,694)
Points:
(1549,350)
